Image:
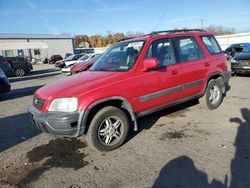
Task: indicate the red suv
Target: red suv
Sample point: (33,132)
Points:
(135,77)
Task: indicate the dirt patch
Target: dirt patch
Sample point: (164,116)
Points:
(242,98)
(173,135)
(201,131)
(58,153)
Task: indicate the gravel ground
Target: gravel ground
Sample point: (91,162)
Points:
(184,146)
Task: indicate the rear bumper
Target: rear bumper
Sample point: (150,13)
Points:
(62,124)
(226,76)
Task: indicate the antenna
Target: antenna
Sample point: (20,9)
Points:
(157,25)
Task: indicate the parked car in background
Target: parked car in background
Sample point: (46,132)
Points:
(240,63)
(83,66)
(4,83)
(55,58)
(20,65)
(133,78)
(233,49)
(61,63)
(69,64)
(6,67)
(67,55)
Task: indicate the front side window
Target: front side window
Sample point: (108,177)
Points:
(8,53)
(120,57)
(211,44)
(187,49)
(163,51)
(36,51)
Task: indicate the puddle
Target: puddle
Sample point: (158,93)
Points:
(58,153)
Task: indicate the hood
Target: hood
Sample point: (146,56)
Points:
(67,63)
(242,56)
(60,61)
(79,84)
(82,65)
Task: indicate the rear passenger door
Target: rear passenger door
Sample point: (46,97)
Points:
(192,64)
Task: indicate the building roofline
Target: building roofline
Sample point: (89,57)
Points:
(233,35)
(34,36)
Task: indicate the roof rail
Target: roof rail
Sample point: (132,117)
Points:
(176,31)
(166,31)
(125,39)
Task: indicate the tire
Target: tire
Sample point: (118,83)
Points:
(19,72)
(213,94)
(102,135)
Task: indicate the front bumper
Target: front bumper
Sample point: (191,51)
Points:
(237,68)
(63,124)
(4,85)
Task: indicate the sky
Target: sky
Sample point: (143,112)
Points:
(101,16)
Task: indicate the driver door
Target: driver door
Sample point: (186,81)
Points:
(161,86)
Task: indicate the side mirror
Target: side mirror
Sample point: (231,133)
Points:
(150,63)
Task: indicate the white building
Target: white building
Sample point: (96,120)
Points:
(35,45)
(227,40)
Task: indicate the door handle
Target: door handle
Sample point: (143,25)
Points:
(174,72)
(207,64)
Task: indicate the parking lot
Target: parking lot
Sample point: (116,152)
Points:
(184,146)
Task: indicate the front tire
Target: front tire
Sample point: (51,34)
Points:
(213,94)
(108,129)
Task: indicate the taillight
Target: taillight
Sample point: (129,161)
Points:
(6,62)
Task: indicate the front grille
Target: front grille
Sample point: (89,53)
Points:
(38,103)
(244,62)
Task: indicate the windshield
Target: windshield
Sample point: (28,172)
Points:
(84,58)
(247,48)
(69,57)
(120,57)
(96,57)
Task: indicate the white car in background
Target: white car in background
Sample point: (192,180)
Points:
(69,64)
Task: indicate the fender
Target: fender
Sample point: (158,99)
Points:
(125,104)
(225,75)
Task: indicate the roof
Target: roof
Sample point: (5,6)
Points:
(170,33)
(34,36)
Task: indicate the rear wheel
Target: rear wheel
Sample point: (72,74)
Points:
(108,129)
(213,95)
(19,72)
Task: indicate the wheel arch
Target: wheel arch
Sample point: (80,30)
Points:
(116,101)
(214,76)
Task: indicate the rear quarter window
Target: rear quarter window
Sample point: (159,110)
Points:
(211,44)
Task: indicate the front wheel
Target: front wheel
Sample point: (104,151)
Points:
(213,95)
(108,129)
(19,72)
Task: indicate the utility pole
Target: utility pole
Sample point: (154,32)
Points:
(202,21)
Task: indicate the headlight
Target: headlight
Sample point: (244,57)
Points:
(64,105)
(233,61)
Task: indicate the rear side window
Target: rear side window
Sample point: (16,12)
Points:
(187,49)
(211,44)
(162,50)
